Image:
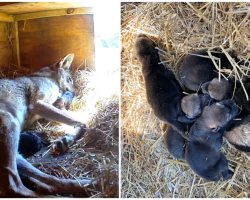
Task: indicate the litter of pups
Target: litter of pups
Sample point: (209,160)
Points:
(208,113)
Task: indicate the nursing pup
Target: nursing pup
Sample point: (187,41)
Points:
(194,70)
(30,143)
(218,89)
(163,90)
(192,105)
(203,150)
(239,134)
(175,143)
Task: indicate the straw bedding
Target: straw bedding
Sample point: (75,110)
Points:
(178,28)
(96,154)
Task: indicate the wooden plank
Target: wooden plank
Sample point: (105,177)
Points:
(5,47)
(6,18)
(6,3)
(53,13)
(3,32)
(16,46)
(44,41)
(27,7)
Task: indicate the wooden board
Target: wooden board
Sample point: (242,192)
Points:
(27,7)
(6,3)
(53,13)
(6,18)
(46,40)
(5,48)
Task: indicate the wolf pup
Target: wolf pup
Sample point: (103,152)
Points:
(241,99)
(30,142)
(239,134)
(195,69)
(33,96)
(192,105)
(175,143)
(163,91)
(218,89)
(203,150)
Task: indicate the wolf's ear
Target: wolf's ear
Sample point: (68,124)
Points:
(66,62)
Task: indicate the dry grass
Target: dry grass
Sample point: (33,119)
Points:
(178,28)
(96,154)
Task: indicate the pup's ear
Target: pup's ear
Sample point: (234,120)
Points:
(66,62)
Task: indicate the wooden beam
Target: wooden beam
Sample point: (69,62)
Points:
(53,13)
(6,18)
(31,7)
(16,45)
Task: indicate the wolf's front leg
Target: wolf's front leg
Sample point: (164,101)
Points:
(50,112)
(10,182)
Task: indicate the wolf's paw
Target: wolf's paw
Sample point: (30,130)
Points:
(63,143)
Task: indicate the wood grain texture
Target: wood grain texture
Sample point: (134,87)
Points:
(53,13)
(27,7)
(15,46)
(46,40)
(6,3)
(5,48)
(6,18)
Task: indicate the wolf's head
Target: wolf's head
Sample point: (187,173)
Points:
(217,116)
(64,76)
(60,72)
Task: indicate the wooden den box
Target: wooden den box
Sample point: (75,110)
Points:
(33,35)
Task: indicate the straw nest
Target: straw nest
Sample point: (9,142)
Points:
(178,28)
(96,154)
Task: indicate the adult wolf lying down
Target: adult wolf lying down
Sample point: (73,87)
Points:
(25,98)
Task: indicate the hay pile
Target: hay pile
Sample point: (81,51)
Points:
(96,154)
(178,28)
